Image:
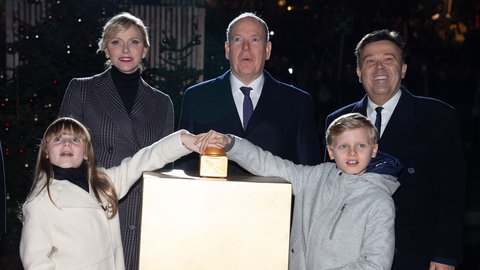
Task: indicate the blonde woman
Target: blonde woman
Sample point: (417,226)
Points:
(122,112)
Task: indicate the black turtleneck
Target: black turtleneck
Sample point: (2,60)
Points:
(127,85)
(77,176)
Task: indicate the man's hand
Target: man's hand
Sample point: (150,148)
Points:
(212,139)
(440,266)
(189,141)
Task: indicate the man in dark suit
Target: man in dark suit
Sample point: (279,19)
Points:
(282,121)
(423,134)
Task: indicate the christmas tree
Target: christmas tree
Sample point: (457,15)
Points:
(52,50)
(174,73)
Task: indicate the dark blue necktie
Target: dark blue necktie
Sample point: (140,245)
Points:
(378,121)
(247,105)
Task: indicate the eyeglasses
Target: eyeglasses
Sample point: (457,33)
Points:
(65,138)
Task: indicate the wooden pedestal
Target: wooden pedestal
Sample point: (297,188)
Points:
(242,222)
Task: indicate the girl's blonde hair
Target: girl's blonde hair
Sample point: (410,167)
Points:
(100,183)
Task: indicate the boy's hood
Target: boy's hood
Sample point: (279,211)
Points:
(389,169)
(384,163)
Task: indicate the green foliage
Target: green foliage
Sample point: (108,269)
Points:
(174,74)
(52,51)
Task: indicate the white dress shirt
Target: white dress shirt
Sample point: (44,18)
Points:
(387,111)
(238,96)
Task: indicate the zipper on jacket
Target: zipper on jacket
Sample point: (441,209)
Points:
(336,221)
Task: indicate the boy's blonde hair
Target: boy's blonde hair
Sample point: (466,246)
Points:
(347,122)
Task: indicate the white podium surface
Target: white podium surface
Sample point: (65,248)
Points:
(188,222)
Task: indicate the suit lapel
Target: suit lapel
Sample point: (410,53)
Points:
(361,106)
(233,123)
(112,104)
(400,124)
(266,104)
(358,107)
(143,107)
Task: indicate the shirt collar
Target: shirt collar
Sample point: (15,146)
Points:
(256,85)
(389,106)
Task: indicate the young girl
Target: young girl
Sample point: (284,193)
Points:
(70,215)
(344,214)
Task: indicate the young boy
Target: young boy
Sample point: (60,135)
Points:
(343,213)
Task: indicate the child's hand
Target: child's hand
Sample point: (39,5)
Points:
(212,139)
(189,141)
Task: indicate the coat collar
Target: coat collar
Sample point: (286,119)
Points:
(264,106)
(401,123)
(65,195)
(112,104)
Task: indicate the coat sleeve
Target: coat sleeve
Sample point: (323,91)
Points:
(150,158)
(35,242)
(185,121)
(448,190)
(263,163)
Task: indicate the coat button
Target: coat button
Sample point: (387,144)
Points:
(411,170)
(132,227)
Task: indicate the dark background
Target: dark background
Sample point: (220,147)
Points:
(316,39)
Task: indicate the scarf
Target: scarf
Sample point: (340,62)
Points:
(77,176)
(127,85)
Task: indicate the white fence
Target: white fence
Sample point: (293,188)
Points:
(180,19)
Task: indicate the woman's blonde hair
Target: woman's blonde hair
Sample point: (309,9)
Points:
(119,24)
(100,184)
